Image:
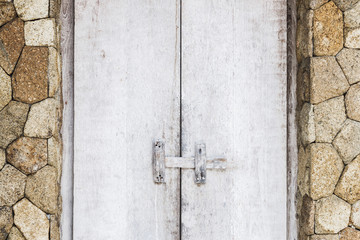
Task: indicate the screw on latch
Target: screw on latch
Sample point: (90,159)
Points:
(200,163)
(159,162)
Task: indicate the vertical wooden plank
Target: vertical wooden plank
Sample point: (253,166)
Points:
(126,95)
(67,131)
(234,100)
(292,166)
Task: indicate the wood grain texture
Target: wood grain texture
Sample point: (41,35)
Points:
(292,166)
(234,100)
(126,96)
(67,130)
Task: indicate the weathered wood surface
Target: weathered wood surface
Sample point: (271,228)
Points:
(67,131)
(234,100)
(292,168)
(126,95)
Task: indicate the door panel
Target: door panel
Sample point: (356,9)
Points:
(234,100)
(126,95)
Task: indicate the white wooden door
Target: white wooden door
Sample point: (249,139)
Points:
(186,71)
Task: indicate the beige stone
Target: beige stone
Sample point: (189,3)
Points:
(53,72)
(54,155)
(347,142)
(332,215)
(303,81)
(41,189)
(352,17)
(307,124)
(12,121)
(325,169)
(348,187)
(303,179)
(2,158)
(355,214)
(327,80)
(349,60)
(54,228)
(349,234)
(328,30)
(12,185)
(42,119)
(15,234)
(40,32)
(352,38)
(30,79)
(7,13)
(31,221)
(324,237)
(11,44)
(314,4)
(352,100)
(307,215)
(6,221)
(345,4)
(329,117)
(27,154)
(5,89)
(32,9)
(304,34)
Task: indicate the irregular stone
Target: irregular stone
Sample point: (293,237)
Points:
(12,121)
(11,43)
(332,215)
(325,169)
(303,236)
(307,216)
(12,185)
(54,155)
(345,4)
(32,9)
(28,154)
(303,179)
(40,32)
(324,237)
(5,89)
(352,38)
(31,221)
(41,189)
(7,13)
(352,17)
(327,79)
(329,117)
(314,4)
(42,119)
(349,60)
(303,81)
(54,228)
(30,79)
(15,234)
(347,142)
(348,187)
(53,73)
(2,158)
(355,214)
(6,221)
(349,234)
(304,35)
(328,30)
(352,100)
(307,124)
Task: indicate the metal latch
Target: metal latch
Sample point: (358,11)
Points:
(200,163)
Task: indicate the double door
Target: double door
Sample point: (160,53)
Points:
(186,72)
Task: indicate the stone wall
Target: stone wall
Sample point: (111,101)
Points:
(30,104)
(328,83)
